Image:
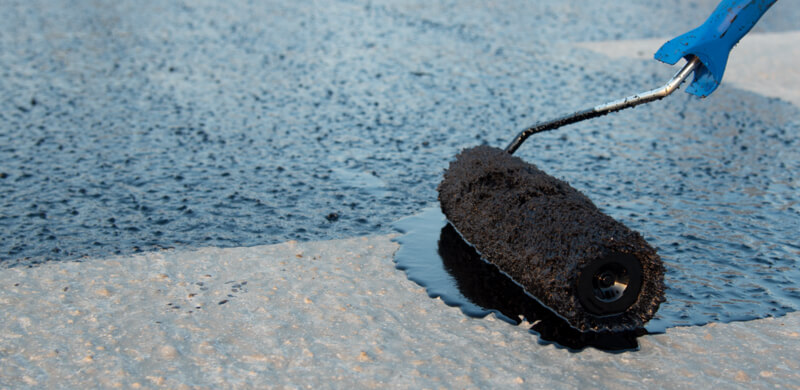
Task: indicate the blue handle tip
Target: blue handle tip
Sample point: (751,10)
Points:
(713,41)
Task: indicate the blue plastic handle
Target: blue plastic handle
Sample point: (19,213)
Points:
(713,41)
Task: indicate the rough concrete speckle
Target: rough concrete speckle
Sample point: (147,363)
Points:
(327,315)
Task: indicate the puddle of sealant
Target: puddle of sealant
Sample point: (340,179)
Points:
(422,257)
(434,255)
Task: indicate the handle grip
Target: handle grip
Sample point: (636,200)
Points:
(713,41)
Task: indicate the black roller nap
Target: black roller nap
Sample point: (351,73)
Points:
(551,239)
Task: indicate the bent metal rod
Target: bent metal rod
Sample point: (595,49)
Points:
(603,109)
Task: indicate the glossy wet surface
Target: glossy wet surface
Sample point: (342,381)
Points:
(431,251)
(434,255)
(141,125)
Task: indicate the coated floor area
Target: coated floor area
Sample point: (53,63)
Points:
(137,125)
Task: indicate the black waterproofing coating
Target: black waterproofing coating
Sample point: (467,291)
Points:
(542,233)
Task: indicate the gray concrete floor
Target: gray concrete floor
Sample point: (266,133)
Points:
(331,314)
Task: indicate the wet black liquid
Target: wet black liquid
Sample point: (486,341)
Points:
(432,257)
(435,256)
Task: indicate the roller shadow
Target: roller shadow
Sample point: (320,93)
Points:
(484,285)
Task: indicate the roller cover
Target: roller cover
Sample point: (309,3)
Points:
(553,241)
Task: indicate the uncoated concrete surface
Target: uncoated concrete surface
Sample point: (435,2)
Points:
(331,314)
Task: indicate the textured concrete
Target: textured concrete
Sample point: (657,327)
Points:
(332,314)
